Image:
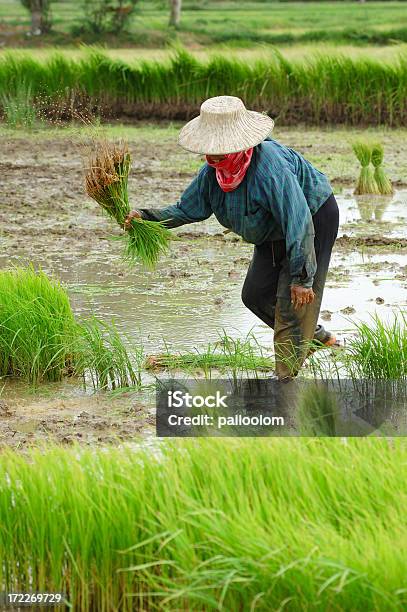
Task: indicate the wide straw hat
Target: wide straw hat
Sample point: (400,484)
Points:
(224,126)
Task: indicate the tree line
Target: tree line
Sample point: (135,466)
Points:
(98,16)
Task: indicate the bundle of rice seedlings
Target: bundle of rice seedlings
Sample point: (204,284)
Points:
(41,341)
(366,182)
(228,354)
(218,361)
(379,350)
(37,327)
(383,183)
(107,183)
(103,358)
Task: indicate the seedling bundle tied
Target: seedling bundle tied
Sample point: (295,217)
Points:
(372,180)
(107,183)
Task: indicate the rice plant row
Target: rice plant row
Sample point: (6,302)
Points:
(208,525)
(334,89)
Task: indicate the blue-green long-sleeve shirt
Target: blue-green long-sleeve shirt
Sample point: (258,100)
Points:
(276,199)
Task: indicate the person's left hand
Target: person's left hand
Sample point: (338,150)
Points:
(300,296)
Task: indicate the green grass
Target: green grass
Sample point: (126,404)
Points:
(331,89)
(18,107)
(239,23)
(379,350)
(103,360)
(37,326)
(210,525)
(40,339)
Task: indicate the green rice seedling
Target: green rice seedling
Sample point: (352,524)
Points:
(106,182)
(379,349)
(18,106)
(104,359)
(206,360)
(383,183)
(37,326)
(40,340)
(209,524)
(227,355)
(366,182)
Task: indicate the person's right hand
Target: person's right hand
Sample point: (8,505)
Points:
(134,214)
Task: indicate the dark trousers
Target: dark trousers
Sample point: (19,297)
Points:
(266,291)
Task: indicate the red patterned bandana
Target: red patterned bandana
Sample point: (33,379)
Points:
(231,171)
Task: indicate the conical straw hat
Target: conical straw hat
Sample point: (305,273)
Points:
(224,126)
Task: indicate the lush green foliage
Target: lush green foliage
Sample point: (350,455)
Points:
(239,23)
(40,340)
(379,350)
(325,88)
(37,326)
(210,525)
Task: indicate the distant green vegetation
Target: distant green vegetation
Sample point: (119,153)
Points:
(324,89)
(212,22)
(210,525)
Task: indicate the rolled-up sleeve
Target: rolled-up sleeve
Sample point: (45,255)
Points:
(290,209)
(193,206)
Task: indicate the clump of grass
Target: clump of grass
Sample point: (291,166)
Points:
(366,183)
(37,326)
(209,525)
(383,183)
(107,183)
(379,350)
(40,339)
(18,106)
(104,359)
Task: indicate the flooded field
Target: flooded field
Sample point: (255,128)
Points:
(192,296)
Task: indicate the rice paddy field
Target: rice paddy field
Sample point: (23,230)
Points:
(95,506)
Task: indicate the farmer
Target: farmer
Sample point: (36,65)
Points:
(275,199)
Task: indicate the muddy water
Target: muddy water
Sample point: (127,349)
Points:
(195,292)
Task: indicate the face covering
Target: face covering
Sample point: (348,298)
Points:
(231,171)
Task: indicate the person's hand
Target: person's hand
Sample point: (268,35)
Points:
(300,296)
(134,214)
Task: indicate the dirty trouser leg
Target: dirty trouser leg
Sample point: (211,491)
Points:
(295,329)
(259,292)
